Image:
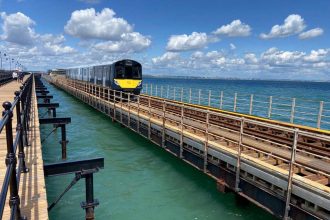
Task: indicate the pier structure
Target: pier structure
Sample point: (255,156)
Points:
(313,113)
(23,190)
(281,167)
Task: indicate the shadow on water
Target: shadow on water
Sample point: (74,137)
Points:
(140,180)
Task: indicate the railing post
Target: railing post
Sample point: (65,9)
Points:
(149,121)
(270,106)
(156,90)
(146,91)
(181,94)
(121,107)
(189,96)
(174,93)
(291,172)
(164,120)
(19,130)
(206,143)
(251,104)
(14,199)
(129,110)
(319,117)
(181,133)
(199,97)
(150,89)
(235,101)
(238,164)
(221,99)
(161,91)
(293,106)
(168,91)
(209,98)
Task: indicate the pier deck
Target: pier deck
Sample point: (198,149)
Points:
(32,189)
(283,168)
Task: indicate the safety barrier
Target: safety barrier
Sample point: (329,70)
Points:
(298,111)
(22,105)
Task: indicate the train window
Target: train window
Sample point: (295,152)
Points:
(120,72)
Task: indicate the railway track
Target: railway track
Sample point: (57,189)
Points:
(292,151)
(269,142)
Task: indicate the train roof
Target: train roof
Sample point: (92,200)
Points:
(102,64)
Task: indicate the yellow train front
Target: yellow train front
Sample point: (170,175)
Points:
(124,75)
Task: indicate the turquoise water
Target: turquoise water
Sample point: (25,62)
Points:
(140,180)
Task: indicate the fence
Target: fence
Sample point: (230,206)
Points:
(298,111)
(22,106)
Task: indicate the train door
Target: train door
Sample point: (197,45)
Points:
(107,77)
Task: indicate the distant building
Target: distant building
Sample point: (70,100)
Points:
(57,72)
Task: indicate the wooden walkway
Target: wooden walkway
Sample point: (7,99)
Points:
(32,190)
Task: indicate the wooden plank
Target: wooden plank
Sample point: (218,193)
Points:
(32,189)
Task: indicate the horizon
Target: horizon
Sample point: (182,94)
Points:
(273,40)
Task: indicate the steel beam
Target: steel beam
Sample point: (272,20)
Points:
(66,167)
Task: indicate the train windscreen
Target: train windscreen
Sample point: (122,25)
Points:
(124,71)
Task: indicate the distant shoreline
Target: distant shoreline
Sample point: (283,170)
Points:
(233,78)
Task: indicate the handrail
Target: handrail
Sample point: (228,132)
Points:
(228,100)
(22,104)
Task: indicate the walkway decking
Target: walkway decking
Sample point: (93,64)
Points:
(32,188)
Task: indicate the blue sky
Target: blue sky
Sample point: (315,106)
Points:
(233,38)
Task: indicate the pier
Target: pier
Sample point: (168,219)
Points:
(22,180)
(281,167)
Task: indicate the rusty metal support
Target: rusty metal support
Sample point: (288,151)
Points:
(206,143)
(164,121)
(291,172)
(238,164)
(181,132)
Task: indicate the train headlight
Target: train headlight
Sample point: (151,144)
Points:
(116,82)
(139,84)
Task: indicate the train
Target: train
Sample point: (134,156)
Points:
(123,75)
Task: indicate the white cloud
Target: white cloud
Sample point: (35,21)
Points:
(311,33)
(88,24)
(18,28)
(317,55)
(274,56)
(187,42)
(232,46)
(293,24)
(250,58)
(272,63)
(167,59)
(235,29)
(130,42)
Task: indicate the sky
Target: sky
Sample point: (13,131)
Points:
(273,39)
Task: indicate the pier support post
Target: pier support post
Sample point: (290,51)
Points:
(238,164)
(291,172)
(90,203)
(206,140)
(63,141)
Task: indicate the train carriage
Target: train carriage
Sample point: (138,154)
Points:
(124,75)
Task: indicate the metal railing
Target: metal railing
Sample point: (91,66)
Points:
(293,110)
(22,106)
(5,77)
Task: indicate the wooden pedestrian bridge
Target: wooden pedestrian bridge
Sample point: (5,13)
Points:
(281,167)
